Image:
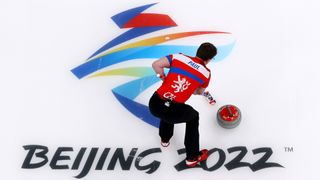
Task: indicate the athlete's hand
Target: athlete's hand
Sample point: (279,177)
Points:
(209,97)
(162,77)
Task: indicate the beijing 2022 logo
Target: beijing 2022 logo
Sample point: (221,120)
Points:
(149,48)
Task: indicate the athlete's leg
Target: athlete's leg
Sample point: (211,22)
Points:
(185,113)
(158,108)
(191,140)
(165,130)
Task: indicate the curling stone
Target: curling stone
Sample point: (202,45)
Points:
(229,116)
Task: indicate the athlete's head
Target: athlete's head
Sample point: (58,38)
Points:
(206,51)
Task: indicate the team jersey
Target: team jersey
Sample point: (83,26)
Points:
(186,74)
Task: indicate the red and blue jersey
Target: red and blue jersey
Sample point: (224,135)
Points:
(186,74)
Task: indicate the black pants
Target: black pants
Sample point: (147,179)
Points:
(177,113)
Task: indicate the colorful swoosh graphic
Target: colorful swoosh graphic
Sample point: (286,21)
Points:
(150,48)
(161,39)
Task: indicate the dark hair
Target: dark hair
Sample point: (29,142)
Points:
(206,51)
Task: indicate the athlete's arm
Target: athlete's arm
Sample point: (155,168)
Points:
(199,91)
(159,65)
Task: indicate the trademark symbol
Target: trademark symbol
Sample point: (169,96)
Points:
(288,149)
